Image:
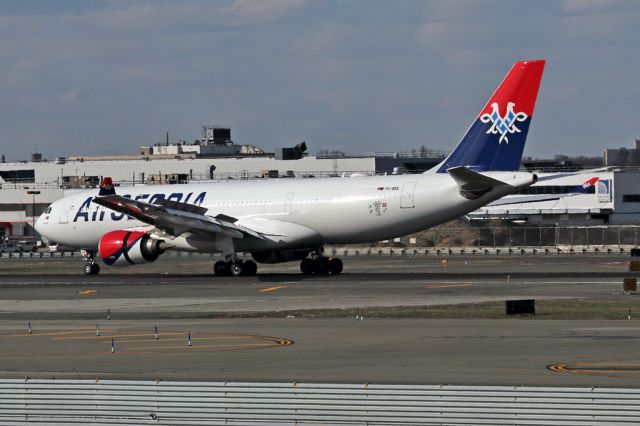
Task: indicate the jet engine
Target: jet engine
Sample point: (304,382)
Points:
(121,248)
(278,256)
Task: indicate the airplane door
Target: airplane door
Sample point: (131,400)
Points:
(406,201)
(66,211)
(288,201)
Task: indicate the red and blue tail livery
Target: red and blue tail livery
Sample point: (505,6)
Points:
(495,140)
(589,187)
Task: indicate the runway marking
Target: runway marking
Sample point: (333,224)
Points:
(83,292)
(182,339)
(151,334)
(612,266)
(59,333)
(494,281)
(145,342)
(614,368)
(278,287)
(272,342)
(448,285)
(241,345)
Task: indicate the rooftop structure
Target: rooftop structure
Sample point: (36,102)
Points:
(622,156)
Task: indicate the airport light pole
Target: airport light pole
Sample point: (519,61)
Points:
(33,210)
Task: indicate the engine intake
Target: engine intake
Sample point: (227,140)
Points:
(121,248)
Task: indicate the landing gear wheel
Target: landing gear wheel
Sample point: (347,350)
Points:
(91,269)
(249,268)
(321,266)
(220,268)
(335,266)
(236,268)
(306,266)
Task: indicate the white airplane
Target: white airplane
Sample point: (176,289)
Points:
(287,220)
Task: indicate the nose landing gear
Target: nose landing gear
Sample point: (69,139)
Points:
(91,267)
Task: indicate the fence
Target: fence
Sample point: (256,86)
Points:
(527,236)
(193,178)
(181,403)
(612,239)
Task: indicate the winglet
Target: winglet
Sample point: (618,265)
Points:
(106,187)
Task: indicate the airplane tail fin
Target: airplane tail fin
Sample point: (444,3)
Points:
(495,140)
(589,187)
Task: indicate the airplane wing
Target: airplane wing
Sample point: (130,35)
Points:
(176,218)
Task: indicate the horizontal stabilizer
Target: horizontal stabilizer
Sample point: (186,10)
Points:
(525,199)
(472,184)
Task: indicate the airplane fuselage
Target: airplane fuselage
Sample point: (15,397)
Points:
(326,211)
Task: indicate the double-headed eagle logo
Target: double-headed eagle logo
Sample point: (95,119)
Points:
(503,125)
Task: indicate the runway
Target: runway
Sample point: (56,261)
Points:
(170,297)
(67,311)
(395,282)
(500,352)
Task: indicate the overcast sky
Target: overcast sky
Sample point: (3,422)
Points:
(105,77)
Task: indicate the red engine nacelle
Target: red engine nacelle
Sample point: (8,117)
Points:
(121,248)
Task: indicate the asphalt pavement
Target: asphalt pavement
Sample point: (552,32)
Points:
(72,337)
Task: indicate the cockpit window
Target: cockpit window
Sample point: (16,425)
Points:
(48,210)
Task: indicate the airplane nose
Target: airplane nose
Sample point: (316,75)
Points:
(38,225)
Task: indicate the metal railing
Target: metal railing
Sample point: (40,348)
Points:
(179,403)
(195,178)
(434,154)
(525,236)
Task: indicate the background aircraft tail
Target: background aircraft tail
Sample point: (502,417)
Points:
(589,187)
(495,140)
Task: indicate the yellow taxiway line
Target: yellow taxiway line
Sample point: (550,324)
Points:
(448,285)
(278,287)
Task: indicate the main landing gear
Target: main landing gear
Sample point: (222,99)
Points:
(235,268)
(91,267)
(321,265)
